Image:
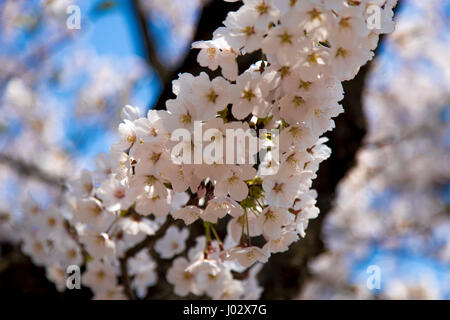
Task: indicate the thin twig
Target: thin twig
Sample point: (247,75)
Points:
(30,170)
(150,48)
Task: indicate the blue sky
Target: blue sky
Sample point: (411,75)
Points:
(112,34)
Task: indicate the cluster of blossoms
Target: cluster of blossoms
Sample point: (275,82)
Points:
(392,200)
(141,195)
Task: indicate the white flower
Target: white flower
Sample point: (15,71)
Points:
(151,203)
(272,219)
(348,57)
(233,290)
(217,52)
(281,189)
(209,53)
(241,30)
(296,161)
(218,208)
(142,267)
(136,224)
(182,177)
(210,276)
(251,284)
(51,220)
(212,284)
(37,248)
(151,158)
(183,280)
(147,184)
(298,136)
(173,242)
(248,256)
(89,210)
(57,275)
(235,185)
(266,10)
(99,276)
(291,106)
(284,40)
(305,206)
(281,243)
(113,193)
(115,293)
(69,253)
(211,96)
(127,133)
(99,245)
(320,152)
(249,97)
(189,214)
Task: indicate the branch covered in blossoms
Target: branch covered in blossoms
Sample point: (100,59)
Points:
(240,150)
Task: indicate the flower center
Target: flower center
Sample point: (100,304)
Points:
(285,38)
(262,8)
(285,71)
(298,101)
(119,193)
(341,52)
(100,274)
(278,187)
(155,157)
(296,132)
(313,58)
(314,14)
(304,85)
(345,22)
(186,118)
(212,96)
(51,221)
(211,52)
(249,30)
(248,95)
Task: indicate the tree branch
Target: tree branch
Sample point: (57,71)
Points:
(150,48)
(211,18)
(30,170)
